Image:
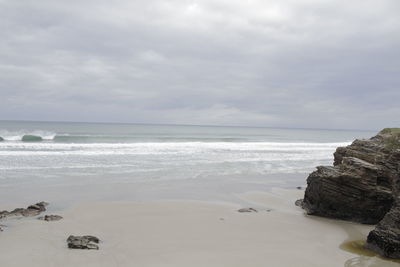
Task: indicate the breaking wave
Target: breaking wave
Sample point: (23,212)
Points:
(27,136)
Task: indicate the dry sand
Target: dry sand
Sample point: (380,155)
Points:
(187,233)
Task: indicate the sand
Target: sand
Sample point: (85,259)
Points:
(187,233)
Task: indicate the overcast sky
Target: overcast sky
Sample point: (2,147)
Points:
(289,63)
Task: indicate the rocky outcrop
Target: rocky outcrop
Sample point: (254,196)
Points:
(83,242)
(363,185)
(360,185)
(32,210)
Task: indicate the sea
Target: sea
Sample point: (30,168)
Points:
(70,162)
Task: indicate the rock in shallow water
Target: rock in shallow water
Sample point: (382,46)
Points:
(385,238)
(83,242)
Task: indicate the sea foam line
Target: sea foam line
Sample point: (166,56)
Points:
(179,145)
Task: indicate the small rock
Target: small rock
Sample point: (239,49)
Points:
(299,187)
(49,218)
(39,206)
(83,242)
(299,203)
(247,210)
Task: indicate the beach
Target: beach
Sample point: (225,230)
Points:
(199,133)
(187,233)
(158,195)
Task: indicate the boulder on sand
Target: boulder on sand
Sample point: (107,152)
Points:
(83,242)
(359,187)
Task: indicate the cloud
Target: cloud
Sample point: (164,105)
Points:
(308,63)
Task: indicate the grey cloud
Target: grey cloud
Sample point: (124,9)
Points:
(308,63)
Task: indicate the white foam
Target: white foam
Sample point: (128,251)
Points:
(18,135)
(183,159)
(181,146)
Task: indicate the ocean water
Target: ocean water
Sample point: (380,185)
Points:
(160,158)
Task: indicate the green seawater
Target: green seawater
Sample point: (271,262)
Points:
(31,138)
(358,247)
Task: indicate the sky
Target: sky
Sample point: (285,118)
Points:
(286,63)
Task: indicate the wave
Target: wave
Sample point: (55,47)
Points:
(27,136)
(170,148)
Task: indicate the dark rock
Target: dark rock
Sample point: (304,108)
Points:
(41,206)
(385,238)
(247,210)
(299,187)
(49,218)
(83,242)
(362,186)
(299,202)
(359,187)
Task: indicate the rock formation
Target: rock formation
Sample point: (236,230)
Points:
(359,187)
(32,210)
(362,186)
(83,242)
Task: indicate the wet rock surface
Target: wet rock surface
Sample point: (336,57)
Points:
(32,210)
(83,242)
(50,218)
(385,238)
(362,186)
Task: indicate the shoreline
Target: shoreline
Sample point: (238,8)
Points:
(187,233)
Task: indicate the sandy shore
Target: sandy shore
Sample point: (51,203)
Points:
(187,233)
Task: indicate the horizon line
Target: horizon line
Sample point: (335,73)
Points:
(196,125)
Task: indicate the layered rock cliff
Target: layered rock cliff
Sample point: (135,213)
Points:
(362,186)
